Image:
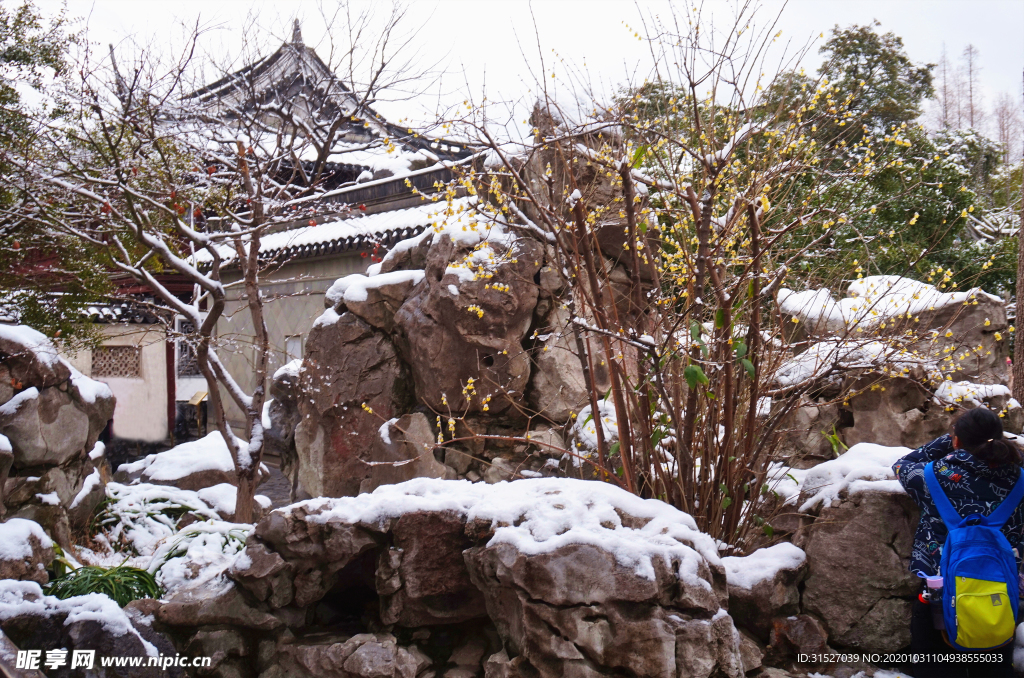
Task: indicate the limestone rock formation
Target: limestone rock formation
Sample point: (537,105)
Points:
(51,467)
(466,582)
(26,551)
(462,324)
(764,586)
(348,364)
(37,622)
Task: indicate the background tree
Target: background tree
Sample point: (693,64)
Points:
(45,281)
(164,173)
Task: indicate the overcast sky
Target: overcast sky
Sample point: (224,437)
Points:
(478,41)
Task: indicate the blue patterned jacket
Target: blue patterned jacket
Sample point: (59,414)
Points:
(972,487)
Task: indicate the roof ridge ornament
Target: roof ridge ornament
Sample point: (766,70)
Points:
(296,33)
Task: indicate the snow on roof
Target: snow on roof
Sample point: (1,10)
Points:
(15,538)
(762,565)
(869,301)
(406,222)
(542,515)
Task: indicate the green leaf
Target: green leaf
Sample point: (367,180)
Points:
(720,318)
(768,530)
(740,348)
(657,437)
(727,502)
(695,330)
(694,374)
(613,450)
(748,366)
(638,155)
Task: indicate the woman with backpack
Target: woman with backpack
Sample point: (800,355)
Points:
(969,488)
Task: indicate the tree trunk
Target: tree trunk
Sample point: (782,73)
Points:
(1018,344)
(248,479)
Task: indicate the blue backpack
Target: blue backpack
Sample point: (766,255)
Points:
(979,571)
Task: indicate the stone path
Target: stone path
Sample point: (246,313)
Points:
(277,487)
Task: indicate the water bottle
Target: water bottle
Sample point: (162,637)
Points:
(935,601)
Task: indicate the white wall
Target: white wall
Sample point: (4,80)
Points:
(141,409)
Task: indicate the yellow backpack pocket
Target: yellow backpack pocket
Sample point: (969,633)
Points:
(984,616)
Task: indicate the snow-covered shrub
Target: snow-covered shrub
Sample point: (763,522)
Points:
(198,554)
(136,518)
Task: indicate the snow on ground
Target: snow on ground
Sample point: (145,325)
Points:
(15,536)
(542,515)
(762,565)
(869,301)
(26,597)
(865,467)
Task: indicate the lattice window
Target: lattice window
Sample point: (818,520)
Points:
(188,364)
(117,361)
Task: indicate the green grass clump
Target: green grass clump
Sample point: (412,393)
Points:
(122,583)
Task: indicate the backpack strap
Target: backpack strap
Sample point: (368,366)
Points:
(939,498)
(1006,508)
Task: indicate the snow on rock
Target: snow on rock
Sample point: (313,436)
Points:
(846,355)
(90,390)
(11,407)
(289,369)
(542,515)
(98,450)
(198,555)
(869,301)
(353,288)
(762,565)
(192,466)
(25,598)
(92,481)
(16,537)
(221,498)
(5,444)
(32,342)
(585,428)
(865,467)
(953,393)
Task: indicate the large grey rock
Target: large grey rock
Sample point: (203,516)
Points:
(804,430)
(44,427)
(361,656)
(765,585)
(407,453)
(575,611)
(858,581)
(348,364)
(382,301)
(30,358)
(557,386)
(896,411)
(26,551)
(454,333)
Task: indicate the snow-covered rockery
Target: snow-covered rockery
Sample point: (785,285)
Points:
(471,317)
(50,419)
(892,363)
(486,562)
(962,334)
